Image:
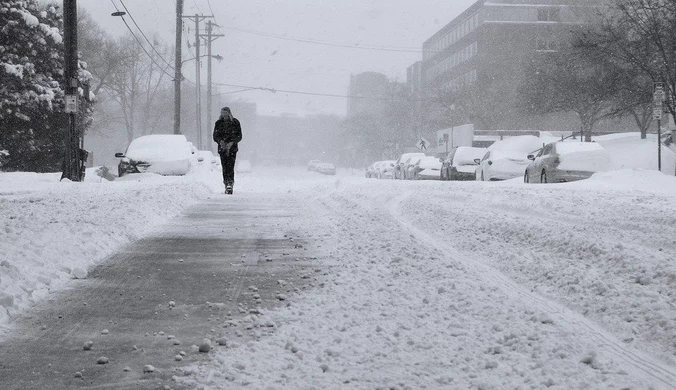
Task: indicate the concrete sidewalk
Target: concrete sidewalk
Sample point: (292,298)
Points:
(223,259)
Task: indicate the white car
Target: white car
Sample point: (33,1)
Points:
(427,168)
(326,168)
(460,163)
(566,161)
(312,165)
(164,154)
(399,165)
(507,159)
(385,170)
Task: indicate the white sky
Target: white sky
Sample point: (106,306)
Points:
(283,64)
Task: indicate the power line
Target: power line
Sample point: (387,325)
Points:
(274,90)
(141,44)
(335,44)
(144,36)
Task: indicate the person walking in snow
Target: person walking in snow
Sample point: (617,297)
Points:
(227,134)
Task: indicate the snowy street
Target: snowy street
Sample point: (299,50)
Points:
(438,285)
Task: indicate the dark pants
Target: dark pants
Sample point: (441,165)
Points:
(228,165)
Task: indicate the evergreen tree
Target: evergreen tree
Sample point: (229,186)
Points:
(32,122)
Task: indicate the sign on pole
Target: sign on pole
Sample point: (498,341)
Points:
(423,144)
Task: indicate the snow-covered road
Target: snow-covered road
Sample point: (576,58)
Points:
(438,285)
(477,285)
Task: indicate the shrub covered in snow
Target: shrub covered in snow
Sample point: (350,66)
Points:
(32,94)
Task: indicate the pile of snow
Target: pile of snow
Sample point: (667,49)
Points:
(54,231)
(629,151)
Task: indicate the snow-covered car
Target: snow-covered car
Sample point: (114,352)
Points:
(164,154)
(507,159)
(566,161)
(371,170)
(243,166)
(409,166)
(385,170)
(427,168)
(206,158)
(326,168)
(399,171)
(460,163)
(312,165)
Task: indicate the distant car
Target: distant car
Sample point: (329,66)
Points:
(312,165)
(385,170)
(164,154)
(460,163)
(566,161)
(399,164)
(507,159)
(427,168)
(243,166)
(326,168)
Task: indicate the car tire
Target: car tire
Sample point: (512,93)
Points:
(525,178)
(443,177)
(543,177)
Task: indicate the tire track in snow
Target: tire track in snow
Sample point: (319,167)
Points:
(660,374)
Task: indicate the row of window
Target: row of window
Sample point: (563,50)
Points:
(453,60)
(467,78)
(464,28)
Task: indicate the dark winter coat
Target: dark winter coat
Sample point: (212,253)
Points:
(229,131)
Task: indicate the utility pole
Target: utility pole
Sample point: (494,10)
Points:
(72,167)
(198,102)
(198,80)
(210,38)
(178,77)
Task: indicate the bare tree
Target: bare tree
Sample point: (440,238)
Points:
(577,80)
(640,34)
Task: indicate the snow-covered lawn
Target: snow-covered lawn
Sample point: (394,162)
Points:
(438,285)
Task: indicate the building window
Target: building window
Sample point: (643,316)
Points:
(549,14)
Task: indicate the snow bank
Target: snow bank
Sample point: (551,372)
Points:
(53,230)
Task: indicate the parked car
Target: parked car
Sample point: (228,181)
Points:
(164,154)
(566,161)
(460,163)
(427,168)
(207,158)
(312,165)
(326,168)
(399,164)
(409,166)
(507,159)
(243,166)
(386,170)
(371,170)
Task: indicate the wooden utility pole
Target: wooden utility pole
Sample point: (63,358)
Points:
(178,76)
(72,167)
(198,100)
(210,36)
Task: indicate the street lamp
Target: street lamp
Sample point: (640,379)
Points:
(118,13)
(217,57)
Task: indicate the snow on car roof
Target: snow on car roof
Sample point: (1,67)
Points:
(159,147)
(572,147)
(465,155)
(521,143)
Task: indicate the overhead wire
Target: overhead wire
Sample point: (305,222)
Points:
(246,88)
(325,43)
(144,36)
(141,44)
(164,70)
